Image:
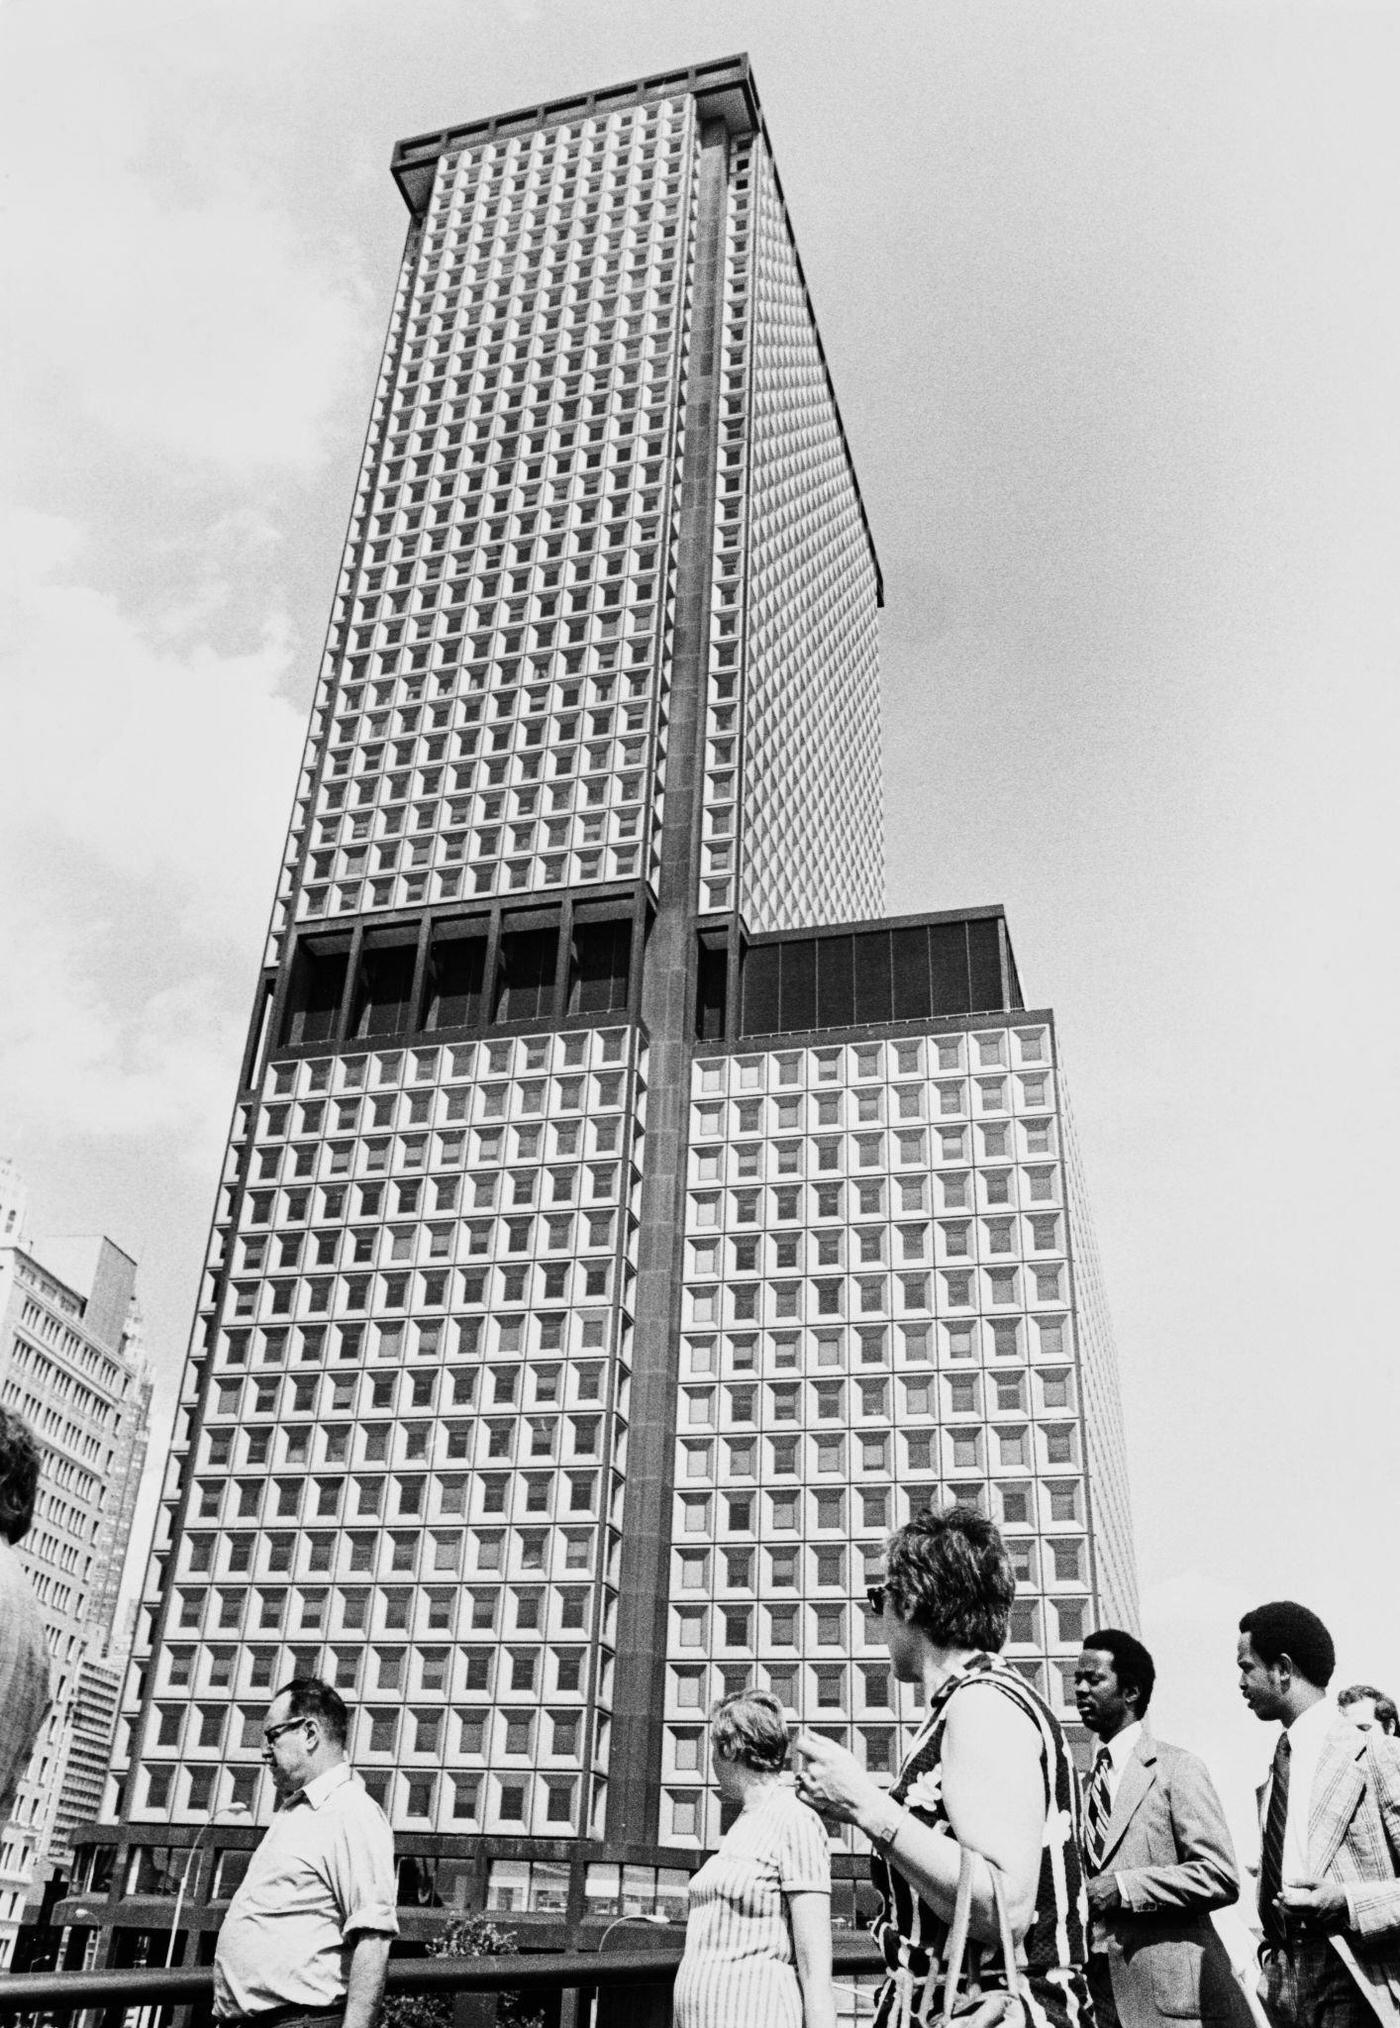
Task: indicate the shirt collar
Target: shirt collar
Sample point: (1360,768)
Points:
(1123,1745)
(1310,1725)
(315,1792)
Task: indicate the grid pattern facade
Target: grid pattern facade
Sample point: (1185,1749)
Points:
(793,694)
(81,1395)
(490,724)
(490,713)
(124,1481)
(408,1470)
(579,729)
(1105,1446)
(878,1310)
(89,1747)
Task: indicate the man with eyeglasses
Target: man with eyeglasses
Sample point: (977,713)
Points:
(305,1943)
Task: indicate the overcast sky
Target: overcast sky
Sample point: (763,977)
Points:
(1110,297)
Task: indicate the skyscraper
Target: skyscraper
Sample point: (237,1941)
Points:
(622,1225)
(72,1365)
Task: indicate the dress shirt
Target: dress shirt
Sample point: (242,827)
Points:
(1306,1737)
(1120,1750)
(323,1873)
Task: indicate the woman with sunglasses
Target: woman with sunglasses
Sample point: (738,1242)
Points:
(988,1770)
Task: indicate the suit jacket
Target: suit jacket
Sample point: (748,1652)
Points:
(1170,1853)
(1354,1840)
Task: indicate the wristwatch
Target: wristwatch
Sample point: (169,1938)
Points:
(887,1829)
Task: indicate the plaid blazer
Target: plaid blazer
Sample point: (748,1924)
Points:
(1354,1839)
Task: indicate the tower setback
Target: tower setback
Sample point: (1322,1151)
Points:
(624,1225)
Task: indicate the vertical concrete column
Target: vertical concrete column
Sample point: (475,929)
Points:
(668,1014)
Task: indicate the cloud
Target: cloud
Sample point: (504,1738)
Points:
(157,282)
(75,1060)
(205,331)
(137,742)
(146,783)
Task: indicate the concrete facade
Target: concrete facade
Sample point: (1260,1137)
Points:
(72,1366)
(563,1119)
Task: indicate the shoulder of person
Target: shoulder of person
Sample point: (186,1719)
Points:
(352,1798)
(789,1810)
(1178,1767)
(981,1709)
(15,1584)
(1382,1755)
(801,1833)
(795,1811)
(1173,1759)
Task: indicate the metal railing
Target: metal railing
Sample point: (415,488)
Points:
(473,1984)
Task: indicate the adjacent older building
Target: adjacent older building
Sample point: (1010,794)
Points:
(71,1363)
(623,1225)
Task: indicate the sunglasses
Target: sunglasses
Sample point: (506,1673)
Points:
(875,1595)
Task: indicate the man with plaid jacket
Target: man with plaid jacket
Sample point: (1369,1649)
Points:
(1329,1874)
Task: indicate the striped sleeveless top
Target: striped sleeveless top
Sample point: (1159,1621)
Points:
(914,1939)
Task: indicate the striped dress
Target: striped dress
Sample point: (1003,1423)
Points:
(914,1939)
(738,1970)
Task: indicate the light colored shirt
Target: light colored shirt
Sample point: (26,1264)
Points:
(1121,1748)
(24,1675)
(739,1968)
(323,1874)
(1306,1738)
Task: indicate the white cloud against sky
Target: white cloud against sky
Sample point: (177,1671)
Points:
(178,342)
(1110,297)
(143,798)
(170,748)
(160,286)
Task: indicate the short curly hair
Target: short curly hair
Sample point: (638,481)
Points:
(20,1459)
(947,1572)
(751,1726)
(1132,1664)
(1283,1627)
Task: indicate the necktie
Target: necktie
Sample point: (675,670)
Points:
(1271,1861)
(1097,1808)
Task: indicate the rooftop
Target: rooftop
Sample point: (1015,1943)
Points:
(724,89)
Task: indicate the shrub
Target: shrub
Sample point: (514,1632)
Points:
(471,1936)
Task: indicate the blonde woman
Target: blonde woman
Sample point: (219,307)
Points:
(758,1938)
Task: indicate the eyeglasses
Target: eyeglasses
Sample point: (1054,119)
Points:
(274,1732)
(875,1598)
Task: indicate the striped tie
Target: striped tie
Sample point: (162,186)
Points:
(1097,1808)
(1271,1860)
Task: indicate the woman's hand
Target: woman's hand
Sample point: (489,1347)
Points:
(832,1780)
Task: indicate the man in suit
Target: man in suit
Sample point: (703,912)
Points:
(1157,1856)
(1329,1873)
